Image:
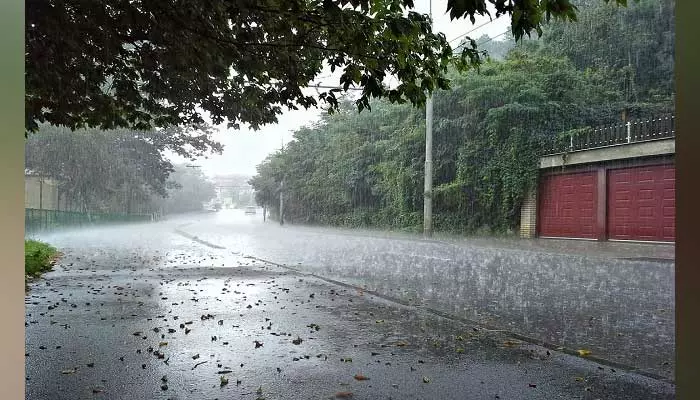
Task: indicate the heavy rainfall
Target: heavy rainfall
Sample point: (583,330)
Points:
(304,253)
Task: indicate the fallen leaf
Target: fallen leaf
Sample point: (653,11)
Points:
(343,395)
(426,379)
(68,371)
(162,344)
(583,352)
(360,377)
(297,341)
(223,380)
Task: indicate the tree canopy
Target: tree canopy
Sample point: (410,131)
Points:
(188,190)
(152,63)
(117,170)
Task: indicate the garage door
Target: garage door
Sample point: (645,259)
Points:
(642,203)
(568,205)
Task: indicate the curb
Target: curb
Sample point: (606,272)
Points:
(518,336)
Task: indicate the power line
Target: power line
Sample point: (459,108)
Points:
(319,86)
(491,38)
(473,29)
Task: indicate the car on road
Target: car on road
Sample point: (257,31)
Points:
(250,210)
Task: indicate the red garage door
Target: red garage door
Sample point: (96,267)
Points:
(642,203)
(568,205)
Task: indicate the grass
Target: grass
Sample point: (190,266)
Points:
(38,258)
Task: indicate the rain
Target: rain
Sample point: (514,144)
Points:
(312,258)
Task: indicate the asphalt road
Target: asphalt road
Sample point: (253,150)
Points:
(121,296)
(612,298)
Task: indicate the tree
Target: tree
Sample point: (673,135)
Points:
(637,42)
(188,190)
(267,182)
(111,171)
(489,131)
(144,64)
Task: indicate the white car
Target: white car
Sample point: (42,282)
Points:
(250,211)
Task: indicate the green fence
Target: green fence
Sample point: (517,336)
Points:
(43,220)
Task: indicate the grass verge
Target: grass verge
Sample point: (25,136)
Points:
(38,258)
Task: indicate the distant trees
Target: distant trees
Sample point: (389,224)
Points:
(489,131)
(188,190)
(111,171)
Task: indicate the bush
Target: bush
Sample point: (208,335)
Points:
(38,257)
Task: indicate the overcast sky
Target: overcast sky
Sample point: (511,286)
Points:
(244,149)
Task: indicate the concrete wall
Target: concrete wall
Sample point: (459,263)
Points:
(620,152)
(40,193)
(528,215)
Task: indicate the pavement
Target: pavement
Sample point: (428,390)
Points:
(616,299)
(142,312)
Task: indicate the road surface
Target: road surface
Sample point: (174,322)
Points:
(120,292)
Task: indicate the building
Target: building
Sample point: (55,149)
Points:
(610,183)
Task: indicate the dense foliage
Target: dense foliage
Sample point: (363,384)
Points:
(188,190)
(119,170)
(489,130)
(38,257)
(144,64)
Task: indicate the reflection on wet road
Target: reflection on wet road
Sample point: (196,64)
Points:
(590,297)
(143,313)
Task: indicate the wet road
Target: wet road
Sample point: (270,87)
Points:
(121,296)
(614,299)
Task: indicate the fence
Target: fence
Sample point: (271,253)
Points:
(605,136)
(44,220)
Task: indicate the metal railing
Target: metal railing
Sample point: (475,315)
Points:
(36,220)
(605,136)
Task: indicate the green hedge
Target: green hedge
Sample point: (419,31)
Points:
(37,257)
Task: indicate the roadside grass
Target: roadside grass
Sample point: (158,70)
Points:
(38,258)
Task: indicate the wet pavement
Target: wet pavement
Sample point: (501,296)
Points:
(616,299)
(144,313)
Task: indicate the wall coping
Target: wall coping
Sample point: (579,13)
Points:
(611,153)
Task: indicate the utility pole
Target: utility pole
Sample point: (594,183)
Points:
(428,184)
(282,185)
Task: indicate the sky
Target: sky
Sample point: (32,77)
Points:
(244,149)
